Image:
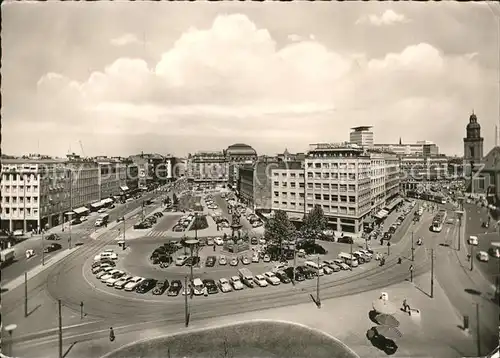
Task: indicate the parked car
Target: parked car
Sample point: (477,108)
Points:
(267,258)
(181,260)
(218,241)
(327,270)
(254,241)
(210,262)
(271,278)
(222,260)
(304,271)
(146,285)
(224,285)
(122,281)
(210,241)
(161,287)
(112,275)
(236,283)
(245,260)
(233,261)
(175,288)
(210,286)
(120,219)
(255,257)
(345,240)
(282,276)
(260,281)
(341,264)
(192,261)
(133,283)
(103,272)
(96,270)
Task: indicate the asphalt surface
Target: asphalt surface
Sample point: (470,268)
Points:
(66,282)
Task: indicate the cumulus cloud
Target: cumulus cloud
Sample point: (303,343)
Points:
(232,79)
(389,17)
(124,40)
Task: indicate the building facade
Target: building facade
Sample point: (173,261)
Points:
(486,182)
(153,168)
(84,188)
(361,136)
(237,155)
(35,193)
(420,148)
(112,177)
(255,181)
(208,168)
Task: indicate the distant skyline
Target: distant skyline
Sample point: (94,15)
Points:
(166,77)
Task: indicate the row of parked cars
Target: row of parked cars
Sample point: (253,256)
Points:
(149,221)
(183,223)
(210,202)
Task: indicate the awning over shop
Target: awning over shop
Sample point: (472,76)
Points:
(124,188)
(381,214)
(392,205)
(80,210)
(97,205)
(107,201)
(69,213)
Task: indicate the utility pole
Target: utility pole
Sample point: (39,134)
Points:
(388,249)
(432,273)
(25,294)
(186,307)
(294,260)
(43,248)
(318,300)
(60,330)
(81,310)
(478,334)
(24,203)
(411,273)
(471,257)
(70,205)
(412,248)
(124,227)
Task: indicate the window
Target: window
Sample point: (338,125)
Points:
(276,183)
(7,211)
(309,165)
(301,195)
(276,193)
(326,175)
(301,175)
(326,186)
(292,185)
(275,174)
(293,175)
(317,196)
(352,176)
(293,195)
(310,206)
(334,176)
(317,165)
(326,165)
(352,187)
(326,197)
(309,185)
(284,193)
(317,175)
(276,202)
(293,203)
(317,185)
(343,198)
(352,199)
(283,202)
(309,175)
(284,184)
(301,185)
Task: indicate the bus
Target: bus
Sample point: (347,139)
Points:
(348,259)
(438,221)
(318,269)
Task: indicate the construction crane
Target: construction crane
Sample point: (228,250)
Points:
(81,147)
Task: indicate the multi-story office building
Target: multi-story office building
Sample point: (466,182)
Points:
(348,182)
(420,148)
(84,188)
(362,136)
(112,177)
(336,177)
(35,193)
(255,181)
(237,155)
(153,168)
(208,168)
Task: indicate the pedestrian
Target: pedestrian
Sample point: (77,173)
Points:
(111,334)
(214,247)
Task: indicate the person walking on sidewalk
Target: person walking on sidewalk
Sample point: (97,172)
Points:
(406,307)
(111,334)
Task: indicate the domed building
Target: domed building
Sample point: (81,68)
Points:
(238,154)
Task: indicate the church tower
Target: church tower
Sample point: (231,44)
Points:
(473,142)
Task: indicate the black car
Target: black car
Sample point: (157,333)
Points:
(283,277)
(345,240)
(175,288)
(254,241)
(52,247)
(305,272)
(210,286)
(158,214)
(360,258)
(298,275)
(53,237)
(161,287)
(146,285)
(387,235)
(192,261)
(142,225)
(121,218)
(210,261)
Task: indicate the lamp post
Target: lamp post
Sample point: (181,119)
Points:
(25,181)
(10,328)
(412,248)
(191,243)
(459,214)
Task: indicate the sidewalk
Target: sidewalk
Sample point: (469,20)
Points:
(432,333)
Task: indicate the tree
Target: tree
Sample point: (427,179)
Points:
(279,228)
(314,223)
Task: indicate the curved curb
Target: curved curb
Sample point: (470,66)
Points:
(227,325)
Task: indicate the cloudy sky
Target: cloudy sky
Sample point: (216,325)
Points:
(180,77)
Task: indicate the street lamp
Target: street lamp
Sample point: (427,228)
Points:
(459,214)
(192,243)
(10,328)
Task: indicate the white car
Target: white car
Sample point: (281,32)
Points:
(108,275)
(260,281)
(106,255)
(280,267)
(327,270)
(271,278)
(104,271)
(236,283)
(181,260)
(366,253)
(122,281)
(233,262)
(133,283)
(83,218)
(262,241)
(473,240)
(482,256)
(115,277)
(267,258)
(218,241)
(222,260)
(97,269)
(224,285)
(255,258)
(102,210)
(186,290)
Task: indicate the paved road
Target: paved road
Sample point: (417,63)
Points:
(164,225)
(66,283)
(464,289)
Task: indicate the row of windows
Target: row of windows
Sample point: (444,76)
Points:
(20,188)
(334,176)
(290,174)
(15,200)
(324,165)
(326,208)
(19,212)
